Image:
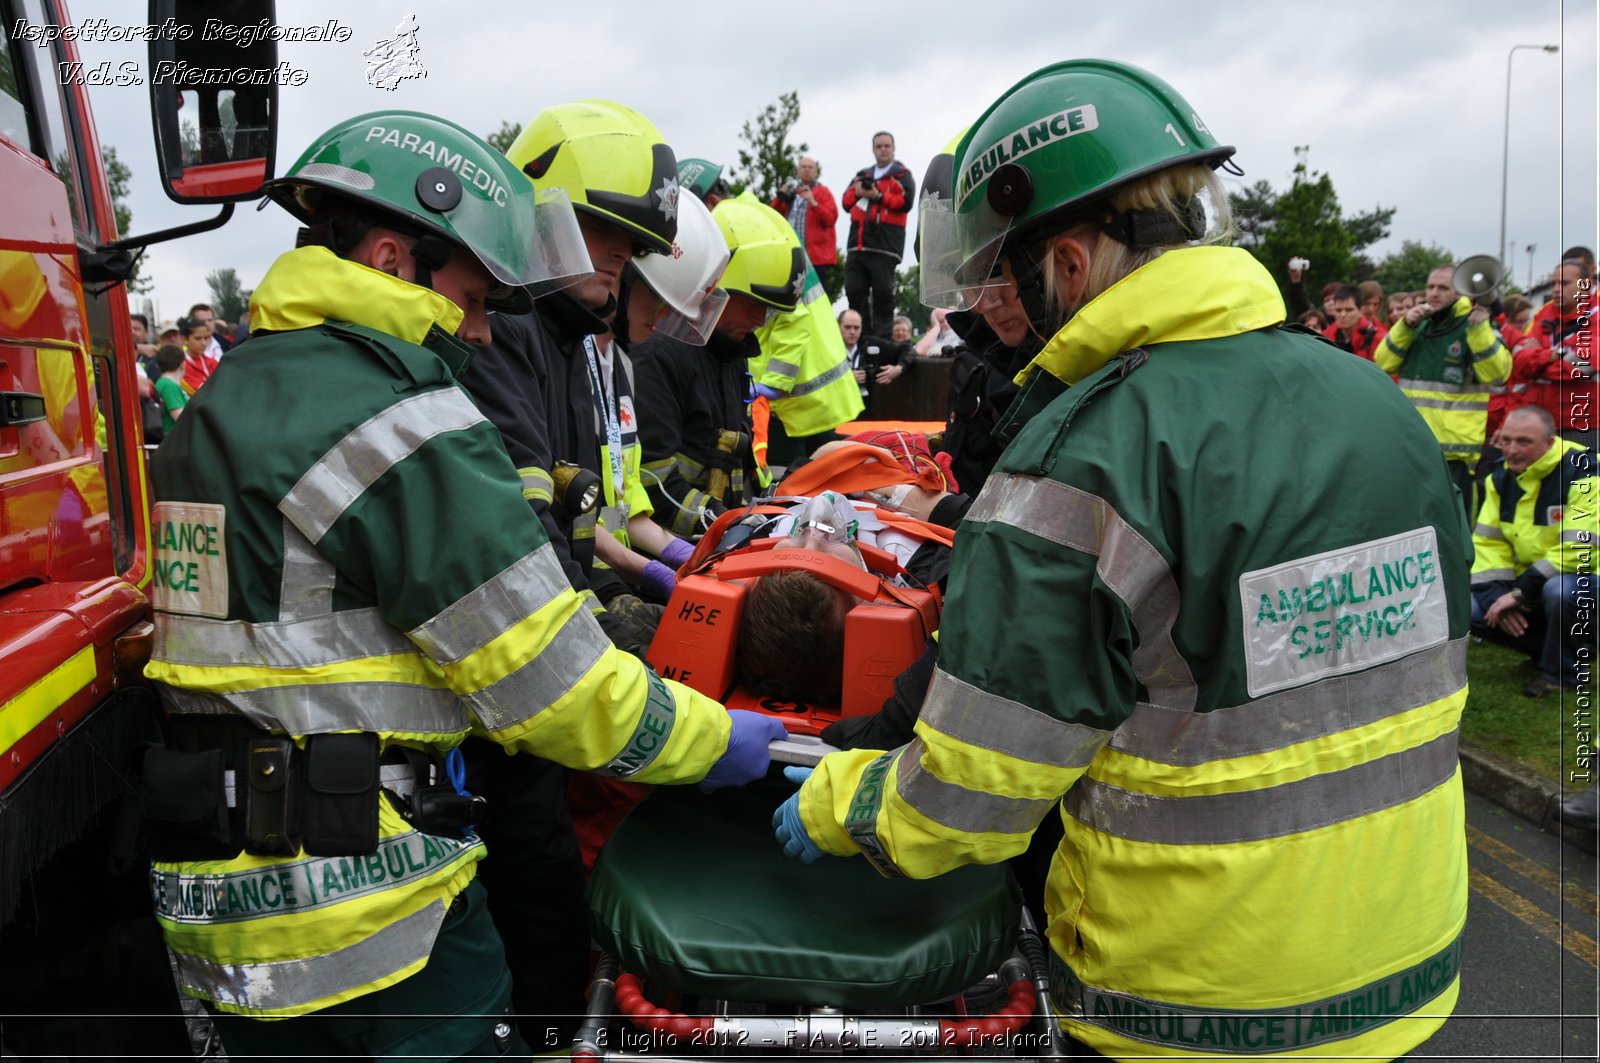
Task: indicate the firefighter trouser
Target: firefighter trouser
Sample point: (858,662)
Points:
(454,1008)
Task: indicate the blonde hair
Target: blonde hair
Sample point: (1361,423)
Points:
(1169,192)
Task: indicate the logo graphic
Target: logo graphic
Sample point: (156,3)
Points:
(668,195)
(395,60)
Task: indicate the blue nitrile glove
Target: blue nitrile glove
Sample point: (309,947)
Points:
(659,579)
(677,552)
(746,759)
(771,393)
(787,825)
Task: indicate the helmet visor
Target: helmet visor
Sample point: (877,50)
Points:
(696,329)
(960,254)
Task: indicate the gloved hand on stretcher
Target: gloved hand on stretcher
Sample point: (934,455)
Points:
(787,825)
(746,758)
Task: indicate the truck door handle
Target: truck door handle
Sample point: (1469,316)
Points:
(20,408)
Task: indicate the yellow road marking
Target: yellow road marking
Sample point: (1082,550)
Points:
(1575,896)
(1542,922)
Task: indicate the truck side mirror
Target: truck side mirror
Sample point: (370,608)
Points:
(214,103)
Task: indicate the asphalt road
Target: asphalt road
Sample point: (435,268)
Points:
(1529,987)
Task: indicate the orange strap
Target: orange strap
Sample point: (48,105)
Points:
(760,421)
(848,469)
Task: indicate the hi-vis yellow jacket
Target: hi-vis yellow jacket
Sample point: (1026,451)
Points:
(1540,522)
(342,545)
(803,356)
(1447,369)
(1240,687)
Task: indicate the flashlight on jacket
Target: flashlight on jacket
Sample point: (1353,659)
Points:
(577,490)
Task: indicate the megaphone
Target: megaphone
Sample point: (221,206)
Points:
(1478,277)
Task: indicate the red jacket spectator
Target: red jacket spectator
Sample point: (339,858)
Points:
(820,240)
(1555,366)
(880,224)
(1367,335)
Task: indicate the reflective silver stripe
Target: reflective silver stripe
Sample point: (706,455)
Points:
(1469,405)
(321,640)
(778,365)
(1276,721)
(989,721)
(371,449)
(813,293)
(1272,812)
(316,708)
(1470,450)
(561,664)
(296,983)
(1489,575)
(971,811)
(482,615)
(1442,388)
(1127,562)
(822,381)
(1488,531)
(306,589)
(861,819)
(1545,568)
(536,483)
(1577,535)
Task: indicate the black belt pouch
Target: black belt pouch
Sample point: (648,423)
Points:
(184,807)
(340,817)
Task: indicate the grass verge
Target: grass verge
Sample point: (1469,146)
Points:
(1499,719)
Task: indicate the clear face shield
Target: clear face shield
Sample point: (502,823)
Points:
(556,254)
(828,524)
(686,280)
(960,255)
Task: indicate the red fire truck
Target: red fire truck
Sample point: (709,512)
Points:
(77,939)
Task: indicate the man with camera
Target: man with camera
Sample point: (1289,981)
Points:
(875,361)
(878,199)
(813,212)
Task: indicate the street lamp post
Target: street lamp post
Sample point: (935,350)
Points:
(1531,249)
(1505,153)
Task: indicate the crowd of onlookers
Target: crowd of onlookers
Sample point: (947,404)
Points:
(174,361)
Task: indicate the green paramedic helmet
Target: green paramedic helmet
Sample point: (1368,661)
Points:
(1054,149)
(451,189)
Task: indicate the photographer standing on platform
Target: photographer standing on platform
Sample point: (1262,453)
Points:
(813,213)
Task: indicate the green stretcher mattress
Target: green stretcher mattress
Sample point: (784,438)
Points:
(693,893)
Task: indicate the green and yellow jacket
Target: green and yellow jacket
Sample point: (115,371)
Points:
(342,545)
(1446,368)
(1235,670)
(803,356)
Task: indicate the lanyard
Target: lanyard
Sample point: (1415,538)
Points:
(603,397)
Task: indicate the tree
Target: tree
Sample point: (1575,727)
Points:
(768,157)
(227,297)
(908,297)
(502,139)
(1407,269)
(120,178)
(1306,222)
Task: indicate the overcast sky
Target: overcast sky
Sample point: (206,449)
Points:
(1402,104)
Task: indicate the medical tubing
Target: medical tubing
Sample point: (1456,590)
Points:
(630,998)
(997,1025)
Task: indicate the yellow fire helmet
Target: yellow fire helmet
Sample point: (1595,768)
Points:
(612,163)
(767,262)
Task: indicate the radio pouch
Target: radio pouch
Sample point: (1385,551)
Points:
(183,805)
(340,817)
(269,826)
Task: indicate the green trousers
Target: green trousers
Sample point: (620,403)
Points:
(454,1008)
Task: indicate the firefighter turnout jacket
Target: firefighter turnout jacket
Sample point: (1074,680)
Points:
(342,546)
(1245,686)
(803,356)
(694,426)
(1446,367)
(1538,523)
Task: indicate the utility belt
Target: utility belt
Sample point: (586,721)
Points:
(221,786)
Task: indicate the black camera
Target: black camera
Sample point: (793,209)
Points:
(790,186)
